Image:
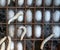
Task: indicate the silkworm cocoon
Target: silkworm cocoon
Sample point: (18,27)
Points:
(2,40)
(10,14)
(19,32)
(20,18)
(2,3)
(29,2)
(48,2)
(3,46)
(37,31)
(12,45)
(11,30)
(15,17)
(29,31)
(20,2)
(56,31)
(38,2)
(19,46)
(38,15)
(47,16)
(9,43)
(56,2)
(56,16)
(29,15)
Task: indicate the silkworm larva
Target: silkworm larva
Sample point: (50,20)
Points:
(8,47)
(47,39)
(2,40)
(22,27)
(15,17)
(3,46)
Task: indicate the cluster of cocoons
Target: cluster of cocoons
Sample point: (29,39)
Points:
(37,32)
(30,2)
(38,15)
(49,2)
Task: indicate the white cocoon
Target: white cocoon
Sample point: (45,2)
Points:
(47,16)
(38,15)
(56,2)
(12,45)
(20,2)
(2,3)
(48,2)
(37,31)
(56,31)
(38,2)
(11,30)
(19,32)
(29,2)
(29,15)
(56,16)
(29,31)
(19,46)
(10,14)
(20,18)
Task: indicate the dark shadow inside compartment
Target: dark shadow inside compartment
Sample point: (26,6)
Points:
(2,30)
(2,15)
(47,30)
(29,45)
(12,3)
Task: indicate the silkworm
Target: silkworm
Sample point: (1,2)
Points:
(56,16)
(3,46)
(47,16)
(2,40)
(38,15)
(56,34)
(22,27)
(38,2)
(47,39)
(19,46)
(20,2)
(29,31)
(11,30)
(29,15)
(20,18)
(9,43)
(48,2)
(8,2)
(37,31)
(15,17)
(29,2)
